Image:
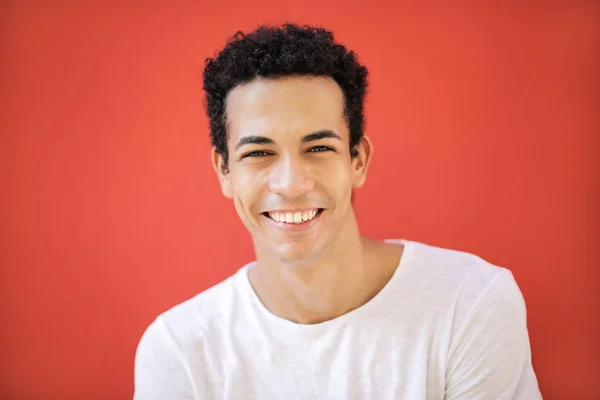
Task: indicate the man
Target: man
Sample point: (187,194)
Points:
(325,313)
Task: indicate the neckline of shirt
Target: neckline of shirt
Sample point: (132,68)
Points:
(282,323)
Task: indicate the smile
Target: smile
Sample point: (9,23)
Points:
(293,217)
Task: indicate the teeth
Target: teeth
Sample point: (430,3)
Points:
(293,218)
(297,218)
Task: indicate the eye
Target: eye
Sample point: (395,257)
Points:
(320,149)
(257,153)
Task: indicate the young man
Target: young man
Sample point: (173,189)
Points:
(325,313)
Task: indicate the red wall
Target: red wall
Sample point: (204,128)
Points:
(486,128)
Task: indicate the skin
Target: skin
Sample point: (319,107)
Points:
(288,145)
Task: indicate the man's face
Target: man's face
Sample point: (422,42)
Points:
(290,173)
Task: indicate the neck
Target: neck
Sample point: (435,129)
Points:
(347,275)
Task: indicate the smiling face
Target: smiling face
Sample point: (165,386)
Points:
(290,173)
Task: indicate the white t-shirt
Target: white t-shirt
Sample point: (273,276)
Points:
(448,325)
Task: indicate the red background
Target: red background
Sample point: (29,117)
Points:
(486,128)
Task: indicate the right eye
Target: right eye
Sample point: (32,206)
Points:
(257,153)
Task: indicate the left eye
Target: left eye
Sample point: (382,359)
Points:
(320,149)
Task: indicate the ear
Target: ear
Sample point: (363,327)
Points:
(222,171)
(363,153)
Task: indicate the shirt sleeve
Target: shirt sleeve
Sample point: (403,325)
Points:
(159,372)
(491,356)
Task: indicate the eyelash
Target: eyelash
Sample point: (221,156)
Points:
(321,149)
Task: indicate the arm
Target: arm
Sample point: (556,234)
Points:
(159,372)
(490,357)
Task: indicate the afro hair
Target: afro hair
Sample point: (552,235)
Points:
(272,52)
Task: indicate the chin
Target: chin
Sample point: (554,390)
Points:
(295,253)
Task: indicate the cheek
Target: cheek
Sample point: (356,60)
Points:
(243,203)
(247,189)
(337,177)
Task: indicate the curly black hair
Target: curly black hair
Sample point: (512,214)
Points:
(276,51)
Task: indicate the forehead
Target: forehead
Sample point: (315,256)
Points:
(290,104)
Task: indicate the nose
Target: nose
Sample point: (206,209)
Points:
(290,177)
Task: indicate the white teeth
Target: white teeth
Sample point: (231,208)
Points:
(293,218)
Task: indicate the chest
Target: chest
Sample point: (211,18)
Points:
(349,363)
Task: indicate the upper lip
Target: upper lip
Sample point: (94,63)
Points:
(294,210)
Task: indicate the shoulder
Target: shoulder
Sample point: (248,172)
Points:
(453,270)
(482,321)
(194,321)
(167,348)
(460,285)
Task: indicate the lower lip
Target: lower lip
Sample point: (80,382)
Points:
(294,227)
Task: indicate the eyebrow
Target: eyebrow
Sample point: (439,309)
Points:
(324,134)
(320,135)
(253,140)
